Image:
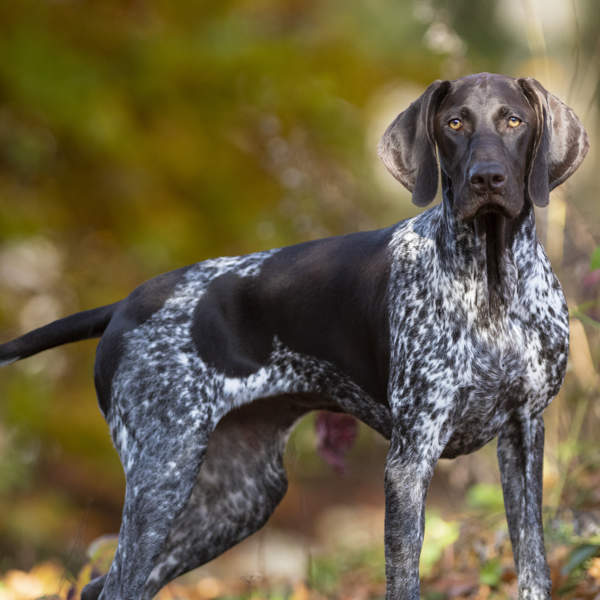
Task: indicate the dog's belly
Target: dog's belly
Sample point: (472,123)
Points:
(472,434)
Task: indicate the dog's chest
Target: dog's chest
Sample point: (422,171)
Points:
(500,371)
(466,381)
(459,371)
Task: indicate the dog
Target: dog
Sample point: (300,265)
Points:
(441,332)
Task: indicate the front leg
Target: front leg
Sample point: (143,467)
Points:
(520,454)
(408,471)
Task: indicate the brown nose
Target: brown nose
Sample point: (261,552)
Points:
(487,177)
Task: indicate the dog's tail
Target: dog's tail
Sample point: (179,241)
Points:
(80,326)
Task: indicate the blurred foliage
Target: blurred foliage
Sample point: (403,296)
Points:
(326,570)
(485,497)
(475,564)
(136,137)
(439,535)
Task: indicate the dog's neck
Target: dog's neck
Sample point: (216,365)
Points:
(486,251)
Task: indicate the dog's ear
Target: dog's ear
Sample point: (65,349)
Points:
(560,142)
(407,147)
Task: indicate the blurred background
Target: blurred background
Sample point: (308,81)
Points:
(137,137)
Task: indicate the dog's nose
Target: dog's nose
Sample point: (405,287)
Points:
(487,177)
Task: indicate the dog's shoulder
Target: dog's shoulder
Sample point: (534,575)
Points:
(415,242)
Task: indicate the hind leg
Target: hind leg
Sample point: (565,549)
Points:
(161,461)
(241,481)
(187,502)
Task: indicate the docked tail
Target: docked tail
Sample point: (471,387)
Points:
(80,326)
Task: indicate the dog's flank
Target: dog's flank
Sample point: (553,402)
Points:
(440,332)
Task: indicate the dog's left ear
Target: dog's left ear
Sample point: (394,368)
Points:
(407,147)
(560,143)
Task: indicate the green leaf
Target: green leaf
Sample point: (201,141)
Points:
(486,496)
(491,572)
(595,259)
(578,556)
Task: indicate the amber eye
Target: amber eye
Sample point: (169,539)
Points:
(455,124)
(514,121)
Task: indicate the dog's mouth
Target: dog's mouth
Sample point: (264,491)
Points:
(479,206)
(492,208)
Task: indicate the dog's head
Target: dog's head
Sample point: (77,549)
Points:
(501,142)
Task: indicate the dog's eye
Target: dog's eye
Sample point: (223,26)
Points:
(455,124)
(514,121)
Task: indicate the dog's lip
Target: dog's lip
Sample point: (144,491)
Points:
(485,204)
(492,208)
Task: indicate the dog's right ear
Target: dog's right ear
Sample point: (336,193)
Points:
(407,147)
(560,143)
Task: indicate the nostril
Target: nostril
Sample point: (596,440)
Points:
(477,180)
(498,180)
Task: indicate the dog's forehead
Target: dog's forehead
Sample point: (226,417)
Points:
(485,92)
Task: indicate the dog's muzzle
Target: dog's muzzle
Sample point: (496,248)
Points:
(486,191)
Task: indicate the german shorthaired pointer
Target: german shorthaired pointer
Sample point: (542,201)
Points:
(440,332)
